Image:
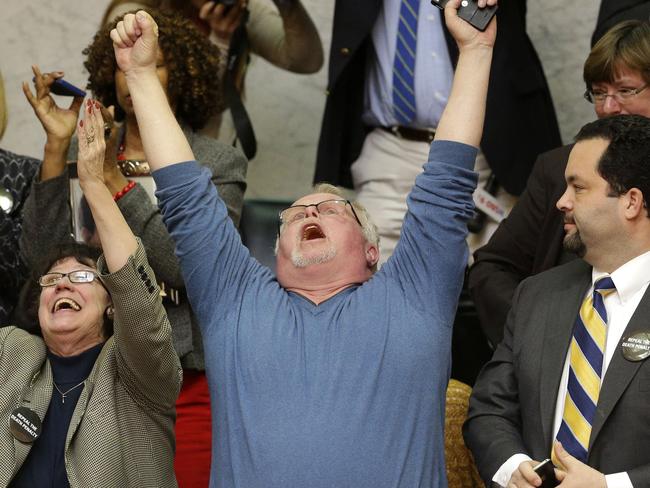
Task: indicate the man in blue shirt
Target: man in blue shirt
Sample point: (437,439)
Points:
(330,374)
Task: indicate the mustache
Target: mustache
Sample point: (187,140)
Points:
(569,220)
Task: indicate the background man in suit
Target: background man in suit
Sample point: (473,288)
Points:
(529,240)
(561,372)
(361,124)
(612,12)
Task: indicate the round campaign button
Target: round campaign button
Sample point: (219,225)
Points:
(6,200)
(637,346)
(25,425)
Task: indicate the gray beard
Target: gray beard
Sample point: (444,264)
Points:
(573,243)
(300,261)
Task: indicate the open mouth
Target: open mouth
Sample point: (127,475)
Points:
(311,232)
(65,304)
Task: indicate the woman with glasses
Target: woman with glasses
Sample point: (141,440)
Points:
(87,396)
(529,241)
(185,65)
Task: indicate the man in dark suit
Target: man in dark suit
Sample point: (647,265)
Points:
(520,120)
(568,368)
(529,240)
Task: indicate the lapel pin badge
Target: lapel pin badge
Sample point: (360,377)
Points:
(636,347)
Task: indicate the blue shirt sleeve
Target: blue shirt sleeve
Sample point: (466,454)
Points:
(431,256)
(213,259)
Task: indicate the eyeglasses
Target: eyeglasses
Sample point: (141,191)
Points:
(78,276)
(326,208)
(621,96)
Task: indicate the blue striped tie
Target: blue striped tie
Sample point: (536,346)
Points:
(404,63)
(585,372)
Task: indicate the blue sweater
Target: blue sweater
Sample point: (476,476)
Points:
(348,393)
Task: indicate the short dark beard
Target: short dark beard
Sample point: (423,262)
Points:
(573,243)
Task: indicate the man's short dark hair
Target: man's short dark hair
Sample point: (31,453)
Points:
(625,164)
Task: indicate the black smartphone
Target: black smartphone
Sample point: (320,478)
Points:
(469,11)
(65,89)
(546,471)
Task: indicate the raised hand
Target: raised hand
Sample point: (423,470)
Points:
(59,123)
(464,33)
(135,40)
(222,20)
(92,146)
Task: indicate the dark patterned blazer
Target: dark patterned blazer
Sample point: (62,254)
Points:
(122,430)
(16,175)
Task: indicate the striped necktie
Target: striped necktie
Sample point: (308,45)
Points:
(585,371)
(404,63)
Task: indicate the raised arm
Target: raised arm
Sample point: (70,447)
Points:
(147,364)
(58,123)
(135,39)
(431,256)
(289,40)
(462,119)
(283,33)
(118,242)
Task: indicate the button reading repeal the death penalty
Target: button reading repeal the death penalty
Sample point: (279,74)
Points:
(25,425)
(636,347)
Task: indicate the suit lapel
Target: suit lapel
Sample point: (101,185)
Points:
(620,371)
(563,310)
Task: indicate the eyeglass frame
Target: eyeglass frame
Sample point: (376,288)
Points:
(94,274)
(630,93)
(344,200)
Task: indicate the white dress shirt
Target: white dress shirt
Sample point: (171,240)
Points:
(631,281)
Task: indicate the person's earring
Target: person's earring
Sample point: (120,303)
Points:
(110,312)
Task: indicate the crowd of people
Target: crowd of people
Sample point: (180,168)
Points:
(143,345)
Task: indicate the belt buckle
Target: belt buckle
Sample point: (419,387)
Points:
(396,132)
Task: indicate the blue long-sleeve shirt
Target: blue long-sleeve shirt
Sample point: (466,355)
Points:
(347,393)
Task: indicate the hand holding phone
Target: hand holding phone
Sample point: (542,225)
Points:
(61,87)
(59,122)
(470,12)
(546,471)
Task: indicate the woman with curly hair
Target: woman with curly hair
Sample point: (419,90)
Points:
(186,63)
(279,31)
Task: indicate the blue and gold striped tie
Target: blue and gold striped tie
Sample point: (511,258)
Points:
(404,63)
(585,371)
